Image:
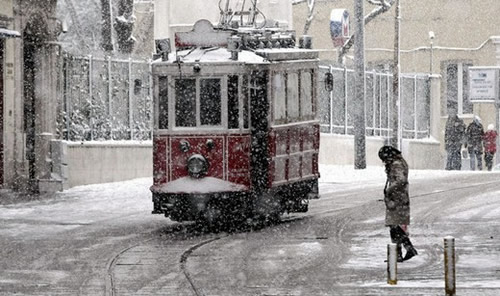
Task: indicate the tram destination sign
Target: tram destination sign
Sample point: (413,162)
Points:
(484,84)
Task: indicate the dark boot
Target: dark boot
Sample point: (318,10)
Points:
(410,251)
(400,253)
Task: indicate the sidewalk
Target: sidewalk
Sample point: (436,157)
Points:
(9,196)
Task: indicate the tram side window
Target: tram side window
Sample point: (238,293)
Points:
(232,102)
(306,95)
(210,102)
(279,98)
(244,91)
(185,102)
(162,102)
(292,89)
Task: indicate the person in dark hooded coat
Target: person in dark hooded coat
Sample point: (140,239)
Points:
(397,200)
(454,137)
(475,134)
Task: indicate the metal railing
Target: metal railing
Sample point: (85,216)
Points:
(106,99)
(110,99)
(335,108)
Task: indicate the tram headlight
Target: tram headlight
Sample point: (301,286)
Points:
(197,166)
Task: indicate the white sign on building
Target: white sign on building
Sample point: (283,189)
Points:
(483,84)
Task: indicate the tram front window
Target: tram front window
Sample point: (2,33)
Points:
(185,102)
(210,102)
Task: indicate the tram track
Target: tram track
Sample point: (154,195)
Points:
(110,282)
(182,247)
(183,262)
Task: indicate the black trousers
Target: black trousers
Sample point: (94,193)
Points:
(400,237)
(488,158)
(454,160)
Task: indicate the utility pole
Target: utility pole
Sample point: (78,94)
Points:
(396,100)
(359,88)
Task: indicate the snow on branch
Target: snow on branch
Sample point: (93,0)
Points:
(383,6)
(310,17)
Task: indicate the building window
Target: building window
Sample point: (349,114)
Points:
(457,88)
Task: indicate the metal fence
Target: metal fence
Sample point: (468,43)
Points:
(335,108)
(106,99)
(109,99)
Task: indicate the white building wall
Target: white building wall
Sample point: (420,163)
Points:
(92,163)
(339,150)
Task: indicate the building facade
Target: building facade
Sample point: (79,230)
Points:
(29,99)
(37,39)
(8,40)
(439,37)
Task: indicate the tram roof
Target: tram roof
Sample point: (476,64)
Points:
(221,54)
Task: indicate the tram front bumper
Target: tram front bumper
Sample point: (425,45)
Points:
(189,207)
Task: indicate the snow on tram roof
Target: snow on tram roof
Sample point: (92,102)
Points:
(221,54)
(215,54)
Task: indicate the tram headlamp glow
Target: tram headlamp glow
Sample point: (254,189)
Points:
(197,166)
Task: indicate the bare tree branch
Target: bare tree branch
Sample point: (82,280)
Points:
(310,17)
(383,6)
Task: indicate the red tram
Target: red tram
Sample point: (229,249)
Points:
(236,132)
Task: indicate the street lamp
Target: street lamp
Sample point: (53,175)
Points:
(431,37)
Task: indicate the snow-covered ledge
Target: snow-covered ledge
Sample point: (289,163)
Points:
(108,161)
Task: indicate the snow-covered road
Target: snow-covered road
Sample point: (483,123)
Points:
(62,245)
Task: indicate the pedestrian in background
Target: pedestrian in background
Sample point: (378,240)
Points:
(490,145)
(397,200)
(474,144)
(453,139)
